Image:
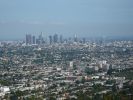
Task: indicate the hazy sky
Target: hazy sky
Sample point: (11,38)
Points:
(67,17)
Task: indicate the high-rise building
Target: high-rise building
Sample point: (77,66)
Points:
(33,40)
(40,39)
(61,39)
(55,38)
(28,39)
(75,38)
(50,39)
(84,40)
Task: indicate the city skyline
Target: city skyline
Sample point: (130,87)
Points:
(67,17)
(66,49)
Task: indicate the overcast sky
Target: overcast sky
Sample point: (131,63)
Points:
(67,17)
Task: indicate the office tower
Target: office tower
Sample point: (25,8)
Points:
(50,39)
(40,39)
(61,39)
(55,38)
(84,40)
(75,38)
(71,65)
(28,39)
(33,40)
(37,41)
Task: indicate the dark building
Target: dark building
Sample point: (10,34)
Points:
(50,39)
(40,39)
(61,39)
(28,39)
(55,38)
(84,40)
(33,40)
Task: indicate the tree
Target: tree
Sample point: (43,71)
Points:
(89,70)
(114,88)
(82,96)
(83,80)
(52,98)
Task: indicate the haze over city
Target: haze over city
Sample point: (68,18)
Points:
(66,49)
(88,18)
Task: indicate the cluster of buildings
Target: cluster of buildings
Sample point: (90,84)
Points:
(62,71)
(52,39)
(31,39)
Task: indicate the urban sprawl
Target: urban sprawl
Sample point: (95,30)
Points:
(60,68)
